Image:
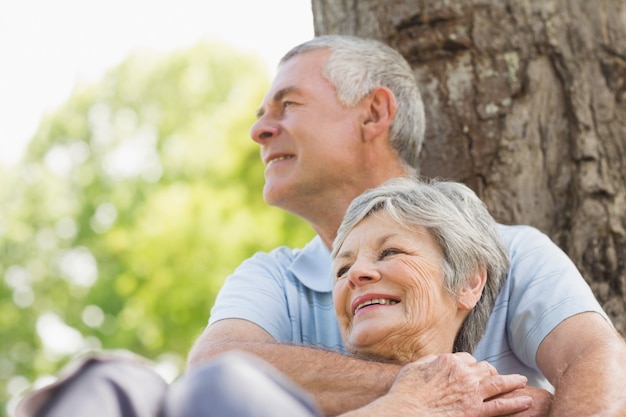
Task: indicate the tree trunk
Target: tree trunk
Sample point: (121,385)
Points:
(526,103)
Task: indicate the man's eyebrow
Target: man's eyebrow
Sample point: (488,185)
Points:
(278,96)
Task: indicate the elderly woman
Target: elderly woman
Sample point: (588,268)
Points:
(417,269)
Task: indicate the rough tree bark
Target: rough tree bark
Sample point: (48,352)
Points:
(526,103)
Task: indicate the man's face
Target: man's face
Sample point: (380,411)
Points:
(309,141)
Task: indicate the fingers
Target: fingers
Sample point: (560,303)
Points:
(458,382)
(495,384)
(506,406)
(541,400)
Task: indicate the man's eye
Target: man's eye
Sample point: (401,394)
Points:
(287,104)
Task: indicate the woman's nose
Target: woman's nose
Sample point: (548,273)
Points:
(361,273)
(263,129)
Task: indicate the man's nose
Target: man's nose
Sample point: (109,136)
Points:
(263,129)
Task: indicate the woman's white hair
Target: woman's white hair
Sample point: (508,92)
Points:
(357,66)
(461,224)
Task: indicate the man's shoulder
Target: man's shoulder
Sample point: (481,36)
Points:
(526,240)
(309,265)
(520,233)
(533,253)
(287,255)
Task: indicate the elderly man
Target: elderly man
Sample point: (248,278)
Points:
(344,115)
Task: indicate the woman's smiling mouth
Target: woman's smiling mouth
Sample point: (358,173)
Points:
(373,301)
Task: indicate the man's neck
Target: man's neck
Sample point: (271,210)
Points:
(327,219)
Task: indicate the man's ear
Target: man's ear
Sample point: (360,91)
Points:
(380,107)
(472,290)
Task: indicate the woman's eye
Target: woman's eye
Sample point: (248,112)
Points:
(389,251)
(342,272)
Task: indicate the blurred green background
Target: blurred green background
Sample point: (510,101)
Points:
(136,198)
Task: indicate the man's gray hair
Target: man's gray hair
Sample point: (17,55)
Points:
(461,224)
(356,66)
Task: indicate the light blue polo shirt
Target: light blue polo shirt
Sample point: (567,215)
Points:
(288,292)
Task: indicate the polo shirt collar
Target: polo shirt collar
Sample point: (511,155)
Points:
(312,266)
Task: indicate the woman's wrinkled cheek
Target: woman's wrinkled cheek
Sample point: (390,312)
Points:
(422,285)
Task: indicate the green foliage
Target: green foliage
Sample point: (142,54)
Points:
(136,199)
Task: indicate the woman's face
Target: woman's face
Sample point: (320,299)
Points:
(389,292)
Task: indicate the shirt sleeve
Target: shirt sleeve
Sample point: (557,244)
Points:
(546,288)
(256,292)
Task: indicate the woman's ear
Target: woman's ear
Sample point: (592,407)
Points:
(380,110)
(472,290)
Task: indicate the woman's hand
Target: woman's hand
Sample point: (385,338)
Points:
(542,400)
(451,385)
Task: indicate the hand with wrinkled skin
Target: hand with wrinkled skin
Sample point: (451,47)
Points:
(542,400)
(450,385)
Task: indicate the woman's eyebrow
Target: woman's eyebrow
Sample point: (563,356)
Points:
(380,242)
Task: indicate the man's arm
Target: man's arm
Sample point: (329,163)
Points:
(583,357)
(341,383)
(338,382)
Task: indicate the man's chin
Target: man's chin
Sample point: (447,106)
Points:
(274,195)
